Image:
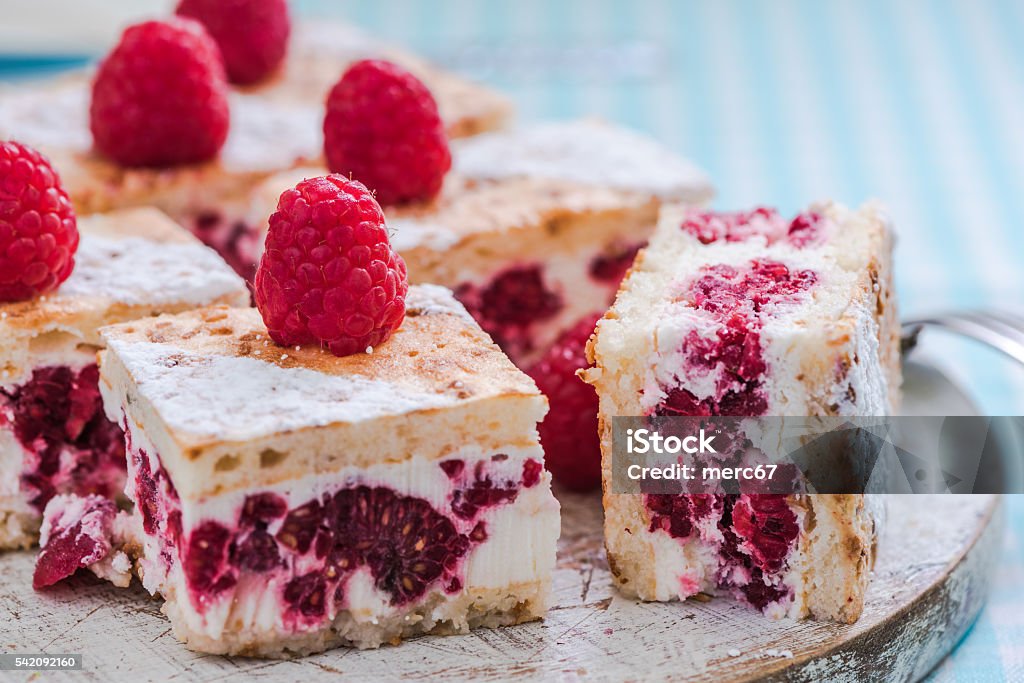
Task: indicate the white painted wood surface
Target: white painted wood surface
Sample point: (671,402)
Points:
(929,585)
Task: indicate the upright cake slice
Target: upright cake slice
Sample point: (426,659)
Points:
(292,500)
(54,437)
(534,228)
(273,127)
(749,314)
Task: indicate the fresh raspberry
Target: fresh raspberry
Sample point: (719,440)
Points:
(160,98)
(38,230)
(328,273)
(252,34)
(382,128)
(572,449)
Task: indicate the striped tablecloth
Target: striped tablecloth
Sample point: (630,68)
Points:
(918,104)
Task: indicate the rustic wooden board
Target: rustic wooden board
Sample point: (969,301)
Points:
(929,585)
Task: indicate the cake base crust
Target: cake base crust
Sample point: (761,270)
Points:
(486,608)
(19,530)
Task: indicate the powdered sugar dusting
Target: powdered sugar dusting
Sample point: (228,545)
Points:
(239,398)
(267,135)
(434,300)
(137,271)
(409,233)
(588,152)
(332,39)
(54,118)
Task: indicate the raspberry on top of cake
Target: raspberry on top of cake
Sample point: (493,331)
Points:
(292,500)
(750,314)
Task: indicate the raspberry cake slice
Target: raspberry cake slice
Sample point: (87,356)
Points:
(750,314)
(54,437)
(291,500)
(533,228)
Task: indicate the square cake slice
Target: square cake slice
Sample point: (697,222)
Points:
(54,437)
(290,500)
(273,127)
(534,228)
(750,314)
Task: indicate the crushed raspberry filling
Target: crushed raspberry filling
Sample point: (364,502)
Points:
(510,304)
(76,533)
(757,531)
(233,241)
(757,534)
(611,266)
(71,447)
(738,226)
(408,545)
(676,515)
(737,297)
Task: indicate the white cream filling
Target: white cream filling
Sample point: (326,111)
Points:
(784,329)
(684,567)
(417,476)
(669,367)
(520,546)
(64,512)
(12,498)
(117,566)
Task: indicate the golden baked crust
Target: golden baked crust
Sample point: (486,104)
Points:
(452,388)
(73,314)
(476,229)
(433,349)
(492,224)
